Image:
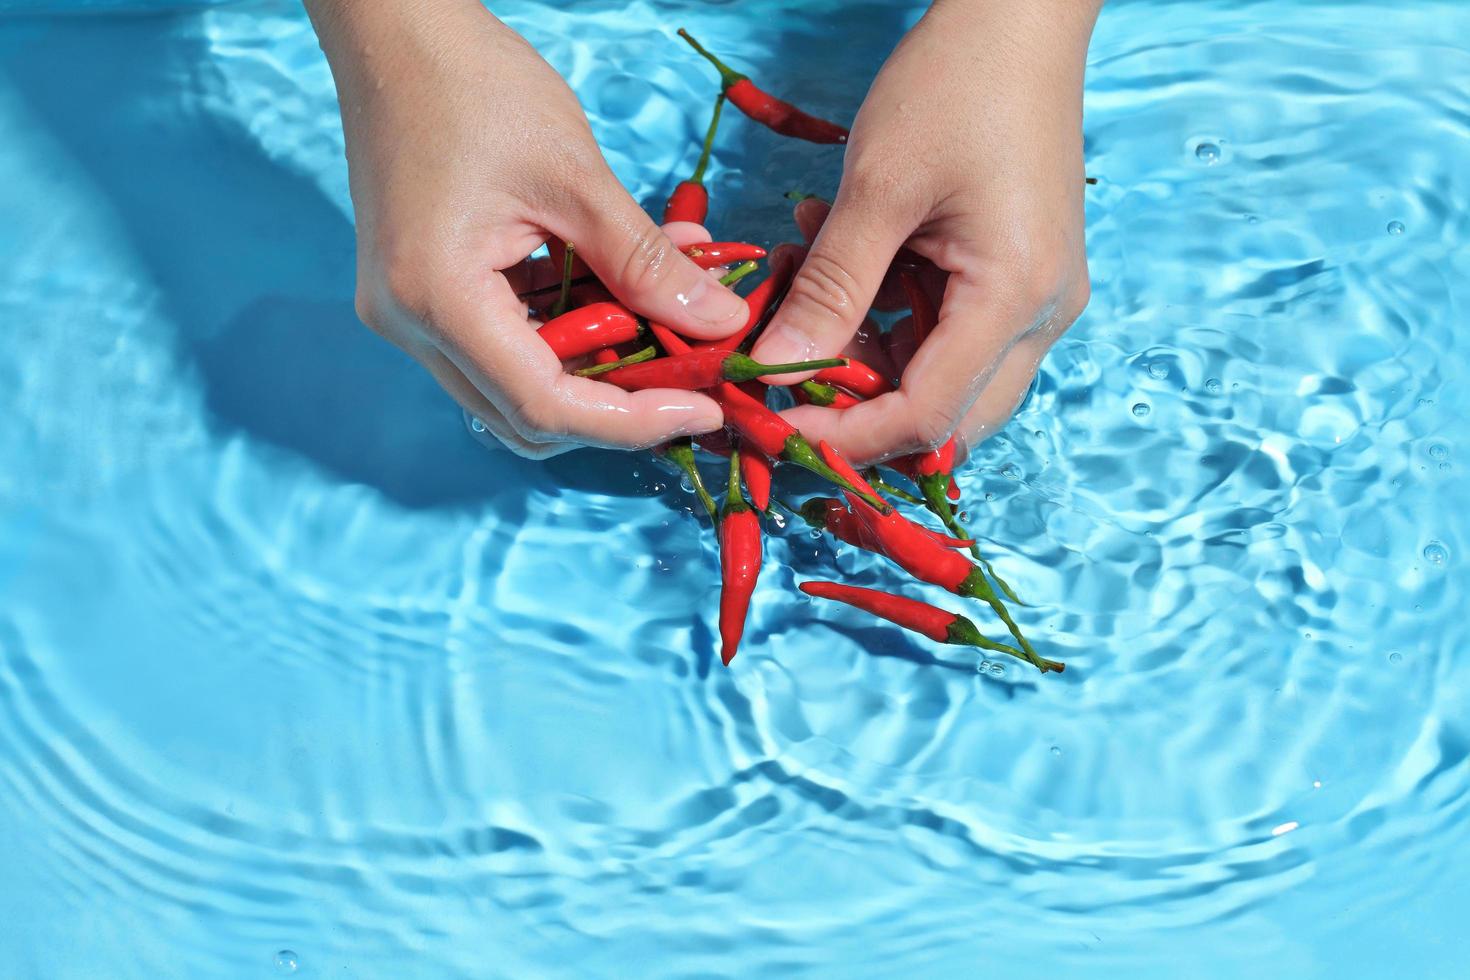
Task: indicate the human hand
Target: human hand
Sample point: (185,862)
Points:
(968,149)
(467,151)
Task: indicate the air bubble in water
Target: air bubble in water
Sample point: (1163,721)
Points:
(1438,451)
(1435,553)
(1395,227)
(1207,153)
(1141,410)
(1158,369)
(477,425)
(287,961)
(1213,386)
(1395,657)
(1011,471)
(1056,750)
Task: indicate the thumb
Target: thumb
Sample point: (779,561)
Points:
(645,270)
(834,287)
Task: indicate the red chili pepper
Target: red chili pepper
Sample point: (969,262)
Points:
(671,342)
(701,369)
(740,563)
(829,514)
(953,491)
(776,437)
(690,200)
(766,109)
(761,302)
(920,305)
(755,469)
(710,255)
(605,356)
(907,546)
(589,328)
(933,622)
(813,392)
(856,377)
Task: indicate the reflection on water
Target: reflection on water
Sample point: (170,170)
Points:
(295,677)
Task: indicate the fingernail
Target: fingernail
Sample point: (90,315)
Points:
(707,300)
(783,347)
(699,426)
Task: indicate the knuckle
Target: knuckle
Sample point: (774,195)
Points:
(647,261)
(825,285)
(931,426)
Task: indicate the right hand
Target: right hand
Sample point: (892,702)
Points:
(466,151)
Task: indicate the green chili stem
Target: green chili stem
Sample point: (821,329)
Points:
(564,298)
(709,142)
(738,273)
(646,354)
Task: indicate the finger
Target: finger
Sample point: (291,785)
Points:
(810,216)
(496,349)
(834,287)
(1000,399)
(493,428)
(938,388)
(643,267)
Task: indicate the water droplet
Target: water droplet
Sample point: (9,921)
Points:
(1141,410)
(1316,784)
(963,517)
(1011,471)
(1158,369)
(635,474)
(1395,657)
(1056,750)
(477,425)
(1444,466)
(1213,386)
(686,484)
(989,496)
(1252,219)
(287,961)
(1439,451)
(1235,386)
(1435,553)
(1207,153)
(1395,227)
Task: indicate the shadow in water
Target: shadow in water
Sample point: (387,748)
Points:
(255,267)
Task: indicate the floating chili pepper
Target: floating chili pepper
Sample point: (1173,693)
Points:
(933,622)
(680,452)
(824,395)
(755,470)
(776,437)
(589,328)
(698,370)
(690,200)
(710,255)
(856,377)
(766,109)
(740,562)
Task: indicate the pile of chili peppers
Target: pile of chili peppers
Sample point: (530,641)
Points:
(603,339)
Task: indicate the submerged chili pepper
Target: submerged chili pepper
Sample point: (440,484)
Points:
(762,303)
(909,546)
(690,200)
(766,109)
(933,622)
(856,377)
(829,514)
(710,255)
(776,437)
(755,470)
(823,395)
(605,356)
(925,317)
(740,563)
(699,369)
(680,452)
(604,366)
(589,328)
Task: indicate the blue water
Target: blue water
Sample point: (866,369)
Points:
(298,679)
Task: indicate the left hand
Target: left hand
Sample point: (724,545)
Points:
(968,149)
